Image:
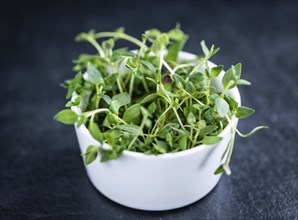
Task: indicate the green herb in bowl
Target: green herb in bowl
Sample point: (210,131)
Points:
(150,101)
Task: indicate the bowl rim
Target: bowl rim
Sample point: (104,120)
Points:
(234,92)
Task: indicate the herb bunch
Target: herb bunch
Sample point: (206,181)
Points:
(150,101)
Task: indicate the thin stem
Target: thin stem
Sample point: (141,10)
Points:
(183,65)
(90,113)
(121,36)
(178,118)
(181,103)
(248,134)
(198,101)
(159,119)
(197,66)
(92,118)
(208,91)
(228,146)
(191,134)
(119,84)
(131,84)
(145,85)
(141,49)
(226,166)
(98,91)
(120,119)
(225,90)
(231,148)
(160,65)
(168,67)
(196,137)
(136,137)
(97,46)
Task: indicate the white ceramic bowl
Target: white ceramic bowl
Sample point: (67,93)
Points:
(162,182)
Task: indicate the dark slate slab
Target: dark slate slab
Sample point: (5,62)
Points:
(41,172)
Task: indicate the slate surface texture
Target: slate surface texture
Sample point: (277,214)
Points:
(41,172)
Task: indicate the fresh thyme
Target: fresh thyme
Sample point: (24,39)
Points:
(149,101)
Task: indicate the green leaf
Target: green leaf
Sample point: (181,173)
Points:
(215,71)
(81,120)
(213,97)
(148,123)
(107,99)
(145,112)
(153,33)
(116,56)
(85,96)
(161,120)
(232,76)
(94,75)
(166,129)
(208,115)
(179,79)
(243,82)
(163,39)
(191,119)
(208,129)
(209,140)
(205,48)
(114,107)
(238,69)
(91,154)
(110,120)
(201,124)
(130,63)
(95,132)
(150,98)
(76,102)
(111,79)
(131,128)
(243,112)
(197,77)
(133,114)
(161,147)
(160,43)
(122,98)
(214,51)
(175,48)
(183,142)
(219,170)
(66,116)
(148,65)
(111,154)
(222,107)
(197,106)
(229,79)
(176,33)
(169,138)
(233,104)
(111,136)
(152,107)
(119,30)
(189,87)
(168,87)
(74,84)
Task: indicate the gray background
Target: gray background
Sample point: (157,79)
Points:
(41,172)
